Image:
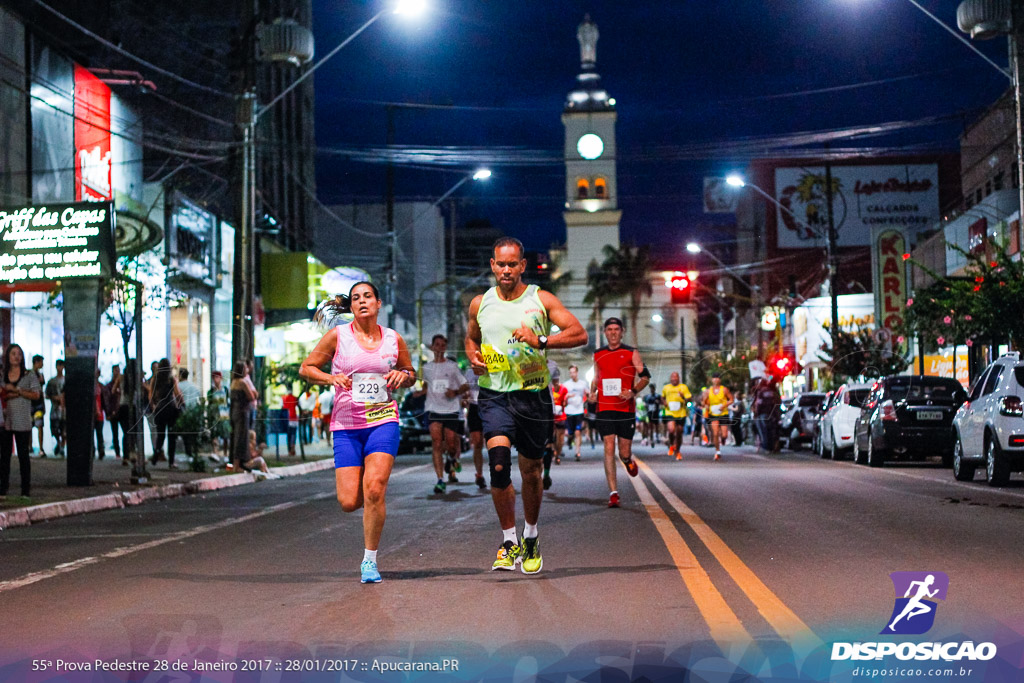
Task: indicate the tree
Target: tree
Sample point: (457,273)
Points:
(987,304)
(859,355)
(624,274)
(599,292)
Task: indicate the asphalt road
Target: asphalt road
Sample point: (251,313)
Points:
(753,563)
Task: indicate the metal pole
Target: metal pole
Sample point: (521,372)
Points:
(389,214)
(139,473)
(1016,49)
(833,261)
(682,343)
(242,306)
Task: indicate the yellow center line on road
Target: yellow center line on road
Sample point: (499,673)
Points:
(782,619)
(726,629)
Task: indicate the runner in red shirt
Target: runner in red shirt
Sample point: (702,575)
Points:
(620,376)
(559,397)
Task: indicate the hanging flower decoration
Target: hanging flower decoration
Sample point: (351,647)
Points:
(910,302)
(900,339)
(941,341)
(948,320)
(968,317)
(969,342)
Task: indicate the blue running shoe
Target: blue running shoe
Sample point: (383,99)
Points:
(369,572)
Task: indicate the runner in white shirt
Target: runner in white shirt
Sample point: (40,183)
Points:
(444,384)
(579,391)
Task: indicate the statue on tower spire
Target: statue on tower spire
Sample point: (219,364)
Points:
(587,35)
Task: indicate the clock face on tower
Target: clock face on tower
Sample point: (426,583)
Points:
(590,146)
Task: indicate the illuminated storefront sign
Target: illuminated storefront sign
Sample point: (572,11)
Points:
(56,242)
(892,279)
(92,138)
(191,240)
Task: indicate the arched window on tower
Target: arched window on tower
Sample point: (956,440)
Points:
(600,189)
(582,189)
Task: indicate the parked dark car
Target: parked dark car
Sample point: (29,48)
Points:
(414,433)
(815,425)
(907,417)
(798,423)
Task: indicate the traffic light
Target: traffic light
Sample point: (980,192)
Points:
(681,287)
(781,366)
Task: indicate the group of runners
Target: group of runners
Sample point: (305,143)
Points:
(514,401)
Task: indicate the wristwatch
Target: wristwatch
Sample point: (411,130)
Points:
(542,342)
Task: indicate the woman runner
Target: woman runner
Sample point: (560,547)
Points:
(367,363)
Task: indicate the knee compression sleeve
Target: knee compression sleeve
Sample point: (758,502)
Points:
(500,460)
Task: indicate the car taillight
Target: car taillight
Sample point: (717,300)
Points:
(888,412)
(1017,440)
(1011,406)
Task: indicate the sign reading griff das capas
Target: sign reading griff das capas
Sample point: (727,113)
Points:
(56,242)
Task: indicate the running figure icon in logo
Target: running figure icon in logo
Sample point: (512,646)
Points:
(916,588)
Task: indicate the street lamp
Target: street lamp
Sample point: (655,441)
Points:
(736,180)
(282,41)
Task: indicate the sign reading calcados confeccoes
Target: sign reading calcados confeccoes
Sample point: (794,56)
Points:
(56,242)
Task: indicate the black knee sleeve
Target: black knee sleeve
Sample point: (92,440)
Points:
(500,457)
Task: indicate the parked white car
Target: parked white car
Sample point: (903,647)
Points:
(836,431)
(989,427)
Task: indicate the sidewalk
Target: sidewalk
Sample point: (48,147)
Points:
(112,488)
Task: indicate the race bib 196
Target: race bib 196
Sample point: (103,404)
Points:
(496,361)
(369,387)
(611,387)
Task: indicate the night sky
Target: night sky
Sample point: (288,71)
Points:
(684,73)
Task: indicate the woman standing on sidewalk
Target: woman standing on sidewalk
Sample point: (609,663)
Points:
(165,402)
(20,389)
(367,362)
(243,399)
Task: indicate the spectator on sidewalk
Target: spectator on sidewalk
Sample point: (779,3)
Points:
(165,402)
(39,406)
(126,411)
(112,407)
(243,400)
(99,391)
(147,407)
(55,395)
(20,388)
(307,404)
(190,397)
(766,414)
(290,402)
(326,403)
(220,430)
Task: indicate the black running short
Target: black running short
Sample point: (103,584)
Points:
(450,421)
(525,417)
(473,418)
(574,423)
(616,423)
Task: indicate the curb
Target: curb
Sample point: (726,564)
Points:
(66,508)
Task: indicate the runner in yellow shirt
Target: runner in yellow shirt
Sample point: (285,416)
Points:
(717,401)
(676,395)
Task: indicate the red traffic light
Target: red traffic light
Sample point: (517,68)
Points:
(781,366)
(681,286)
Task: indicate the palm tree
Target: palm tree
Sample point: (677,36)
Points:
(599,292)
(624,274)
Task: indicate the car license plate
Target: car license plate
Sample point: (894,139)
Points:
(929,415)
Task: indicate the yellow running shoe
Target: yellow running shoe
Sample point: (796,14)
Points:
(531,560)
(508,555)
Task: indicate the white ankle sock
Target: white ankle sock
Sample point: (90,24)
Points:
(530,531)
(370,555)
(509,535)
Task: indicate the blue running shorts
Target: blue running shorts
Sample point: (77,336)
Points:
(351,446)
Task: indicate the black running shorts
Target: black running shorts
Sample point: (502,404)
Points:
(616,423)
(450,421)
(525,417)
(473,418)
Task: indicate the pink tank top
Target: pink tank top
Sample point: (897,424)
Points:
(369,402)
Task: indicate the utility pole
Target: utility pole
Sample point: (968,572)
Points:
(389,212)
(450,306)
(245,120)
(833,260)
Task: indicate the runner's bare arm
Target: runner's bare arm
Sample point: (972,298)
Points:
(473,339)
(571,335)
(643,381)
(321,355)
